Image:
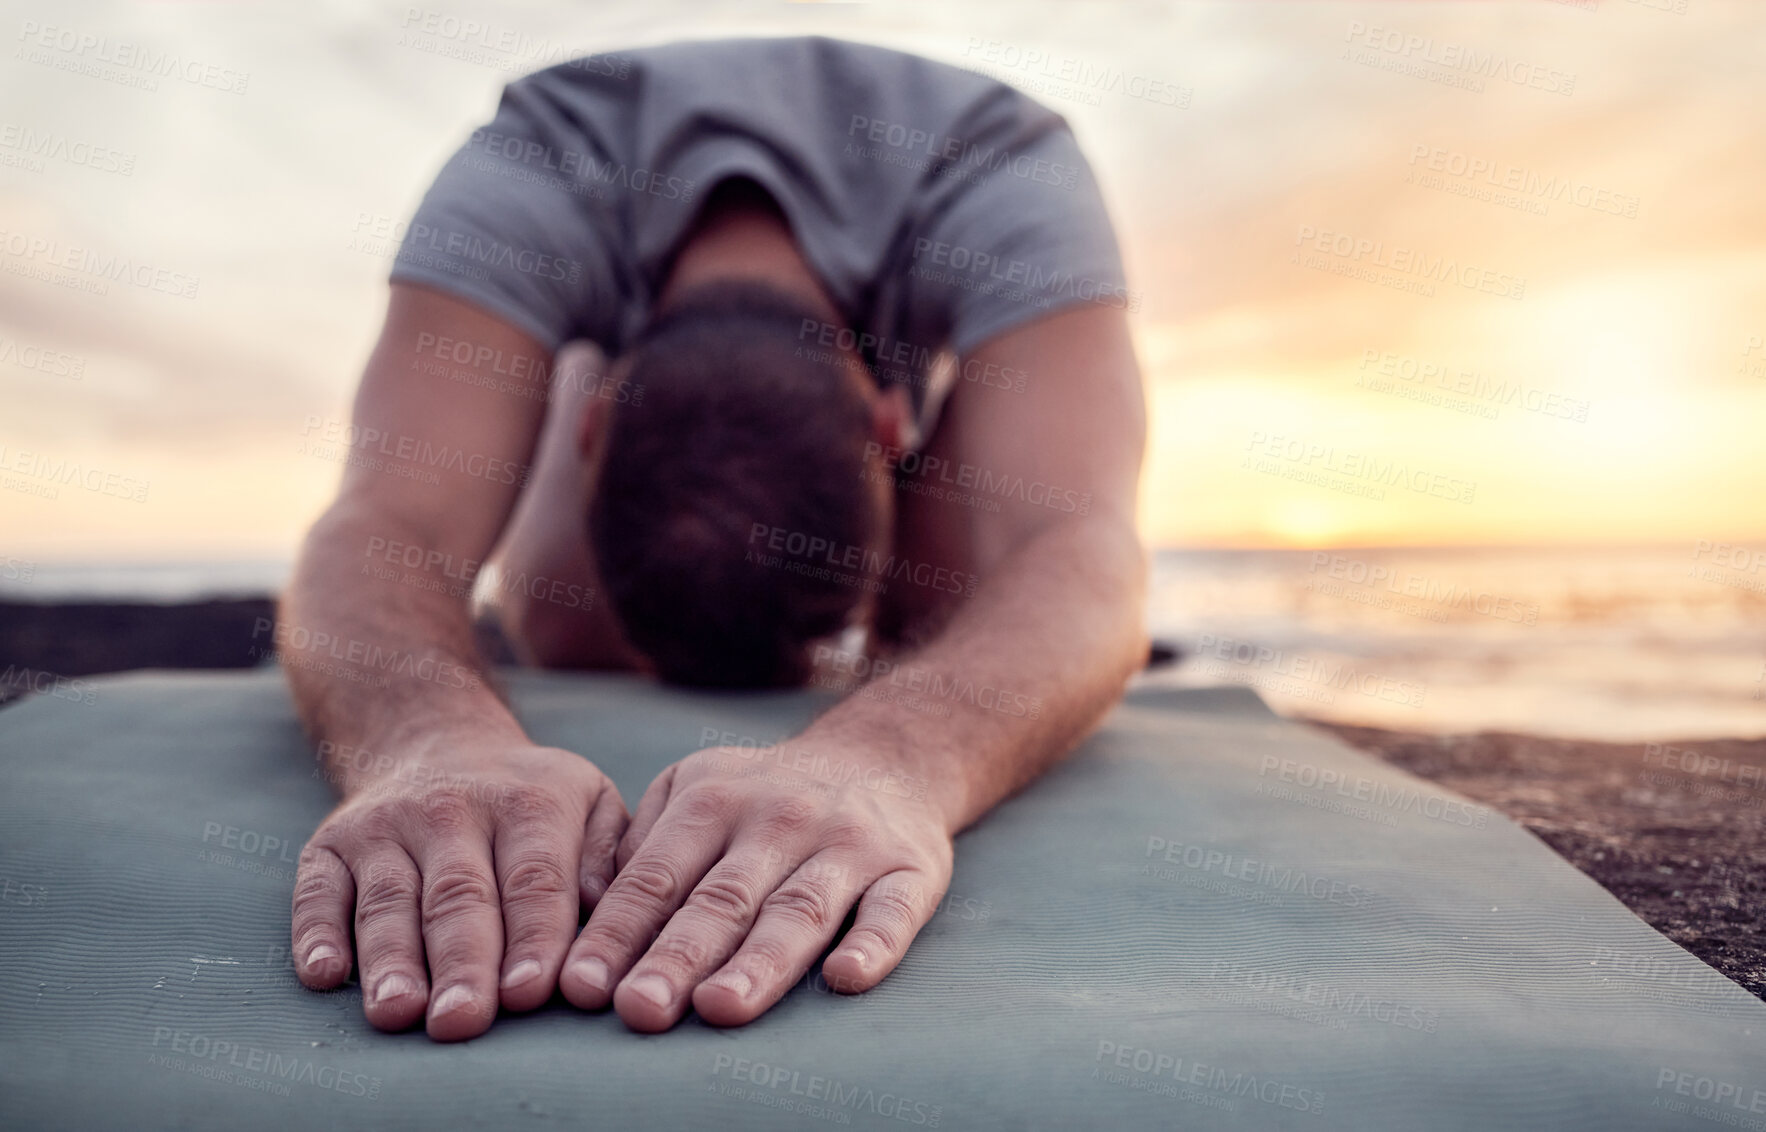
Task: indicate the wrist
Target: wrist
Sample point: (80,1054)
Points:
(413,751)
(909,774)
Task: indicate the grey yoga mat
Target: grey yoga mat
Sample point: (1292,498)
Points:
(1207,918)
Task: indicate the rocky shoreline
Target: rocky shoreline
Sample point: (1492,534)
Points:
(65,640)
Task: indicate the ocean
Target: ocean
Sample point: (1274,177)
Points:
(1626,644)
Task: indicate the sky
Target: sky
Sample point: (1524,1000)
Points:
(1409,274)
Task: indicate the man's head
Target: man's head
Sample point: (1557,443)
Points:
(748,448)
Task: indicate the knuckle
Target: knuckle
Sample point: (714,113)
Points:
(620,932)
(645,880)
(455,892)
(315,891)
(386,893)
(825,874)
(728,898)
(368,824)
(704,802)
(538,878)
(445,809)
(850,835)
(530,805)
(789,816)
(315,858)
(891,918)
(804,903)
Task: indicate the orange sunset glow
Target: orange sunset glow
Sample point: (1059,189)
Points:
(1389,291)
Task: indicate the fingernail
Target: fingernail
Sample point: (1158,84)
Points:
(525,971)
(592,973)
(320,954)
(456,997)
(856,954)
(736,982)
(394,986)
(653,989)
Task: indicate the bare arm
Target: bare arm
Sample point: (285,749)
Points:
(456,835)
(1055,629)
(402,489)
(743,878)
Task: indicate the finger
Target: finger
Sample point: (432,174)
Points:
(601,836)
(320,930)
(650,808)
(796,922)
(638,902)
(711,924)
(389,936)
(890,915)
(462,925)
(535,849)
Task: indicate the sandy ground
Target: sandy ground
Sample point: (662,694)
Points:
(1684,849)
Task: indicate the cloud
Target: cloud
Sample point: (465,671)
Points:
(1295,119)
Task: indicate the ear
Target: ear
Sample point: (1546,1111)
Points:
(892,418)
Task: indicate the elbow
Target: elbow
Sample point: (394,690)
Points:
(1119,572)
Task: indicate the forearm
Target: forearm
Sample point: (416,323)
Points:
(378,665)
(1026,668)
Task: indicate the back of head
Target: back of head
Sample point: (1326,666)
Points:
(742,438)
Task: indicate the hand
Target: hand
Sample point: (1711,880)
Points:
(475,863)
(738,869)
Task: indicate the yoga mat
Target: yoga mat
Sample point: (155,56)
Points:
(1207,918)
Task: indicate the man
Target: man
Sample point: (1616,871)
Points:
(870,371)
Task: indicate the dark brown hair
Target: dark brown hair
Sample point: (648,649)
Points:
(745,426)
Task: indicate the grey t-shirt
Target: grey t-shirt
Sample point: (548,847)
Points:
(939,207)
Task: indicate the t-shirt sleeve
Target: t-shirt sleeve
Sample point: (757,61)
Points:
(511,228)
(1030,238)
